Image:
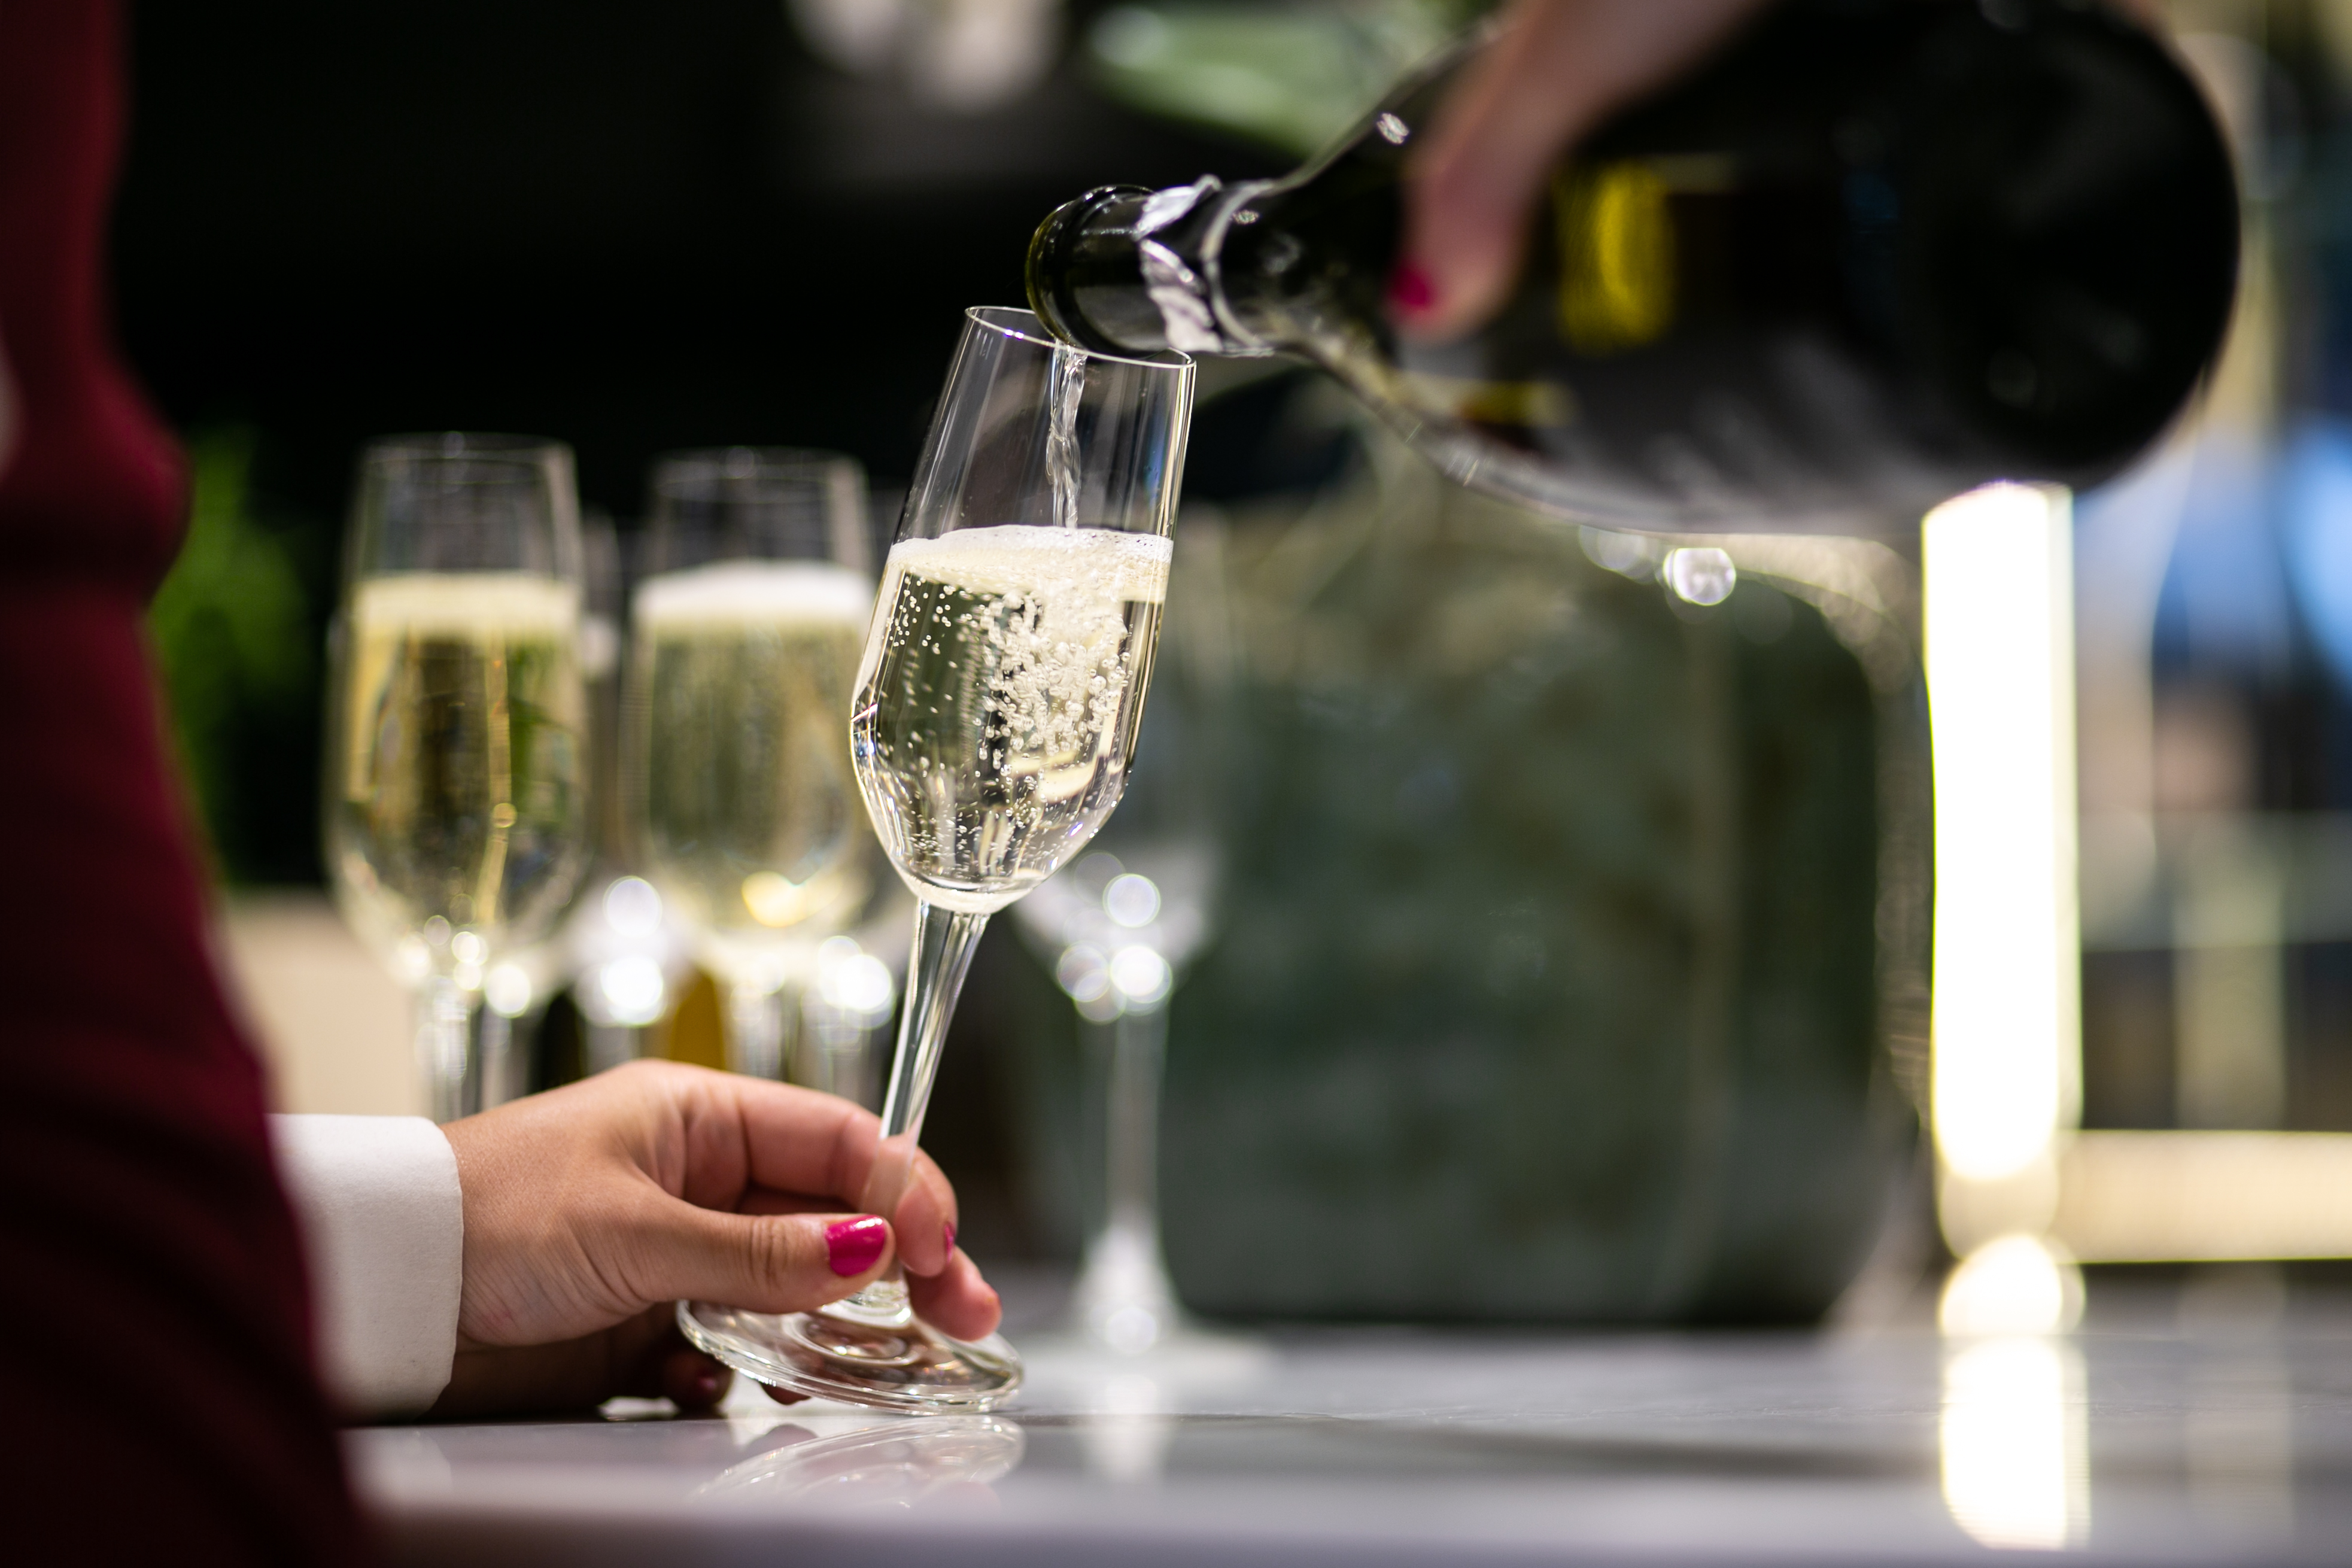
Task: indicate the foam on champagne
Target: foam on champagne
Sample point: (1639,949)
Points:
(1080,565)
(465,605)
(756,592)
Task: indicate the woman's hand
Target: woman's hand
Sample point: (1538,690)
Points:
(1556,69)
(591,1208)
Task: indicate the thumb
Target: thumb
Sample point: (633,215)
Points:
(763,1263)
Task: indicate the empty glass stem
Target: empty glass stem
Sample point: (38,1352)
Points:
(494,1035)
(1124,1298)
(1131,1190)
(755,1031)
(444,1021)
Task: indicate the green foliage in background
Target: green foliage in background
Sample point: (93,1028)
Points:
(234,638)
(1291,76)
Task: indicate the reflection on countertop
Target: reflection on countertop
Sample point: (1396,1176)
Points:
(2195,1429)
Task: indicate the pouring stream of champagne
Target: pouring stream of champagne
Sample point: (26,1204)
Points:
(1068,386)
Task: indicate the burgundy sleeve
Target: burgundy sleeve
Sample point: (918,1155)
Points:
(155,1364)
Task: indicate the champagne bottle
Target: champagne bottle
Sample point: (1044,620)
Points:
(1868,254)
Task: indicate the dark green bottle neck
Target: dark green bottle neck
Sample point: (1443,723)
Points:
(1123,269)
(1252,268)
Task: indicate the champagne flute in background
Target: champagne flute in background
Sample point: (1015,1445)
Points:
(747,627)
(1117,928)
(996,710)
(457,811)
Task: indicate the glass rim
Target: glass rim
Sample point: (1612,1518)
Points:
(479,446)
(1026,326)
(765,462)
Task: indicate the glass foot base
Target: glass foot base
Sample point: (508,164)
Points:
(916,1368)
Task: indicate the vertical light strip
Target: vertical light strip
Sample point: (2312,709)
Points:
(2006,1031)
(2015,1441)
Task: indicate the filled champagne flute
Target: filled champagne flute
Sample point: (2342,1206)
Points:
(746,637)
(457,816)
(997,701)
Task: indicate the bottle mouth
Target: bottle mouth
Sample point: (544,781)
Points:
(1049,274)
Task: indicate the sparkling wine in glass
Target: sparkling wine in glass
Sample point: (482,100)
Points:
(997,701)
(748,634)
(457,811)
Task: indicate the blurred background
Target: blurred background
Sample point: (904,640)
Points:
(1594,906)
(632,229)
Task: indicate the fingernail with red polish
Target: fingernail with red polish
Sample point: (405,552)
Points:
(947,1235)
(1410,288)
(850,1245)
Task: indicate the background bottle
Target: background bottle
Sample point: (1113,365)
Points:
(1866,256)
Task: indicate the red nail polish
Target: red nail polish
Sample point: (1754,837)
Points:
(947,1235)
(1410,288)
(850,1245)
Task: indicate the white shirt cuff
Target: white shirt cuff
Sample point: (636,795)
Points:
(383,1224)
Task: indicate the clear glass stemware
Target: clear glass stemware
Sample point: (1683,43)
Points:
(456,818)
(746,633)
(1118,927)
(997,702)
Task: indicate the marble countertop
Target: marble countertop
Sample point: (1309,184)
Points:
(2136,1440)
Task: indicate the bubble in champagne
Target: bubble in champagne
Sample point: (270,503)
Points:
(998,700)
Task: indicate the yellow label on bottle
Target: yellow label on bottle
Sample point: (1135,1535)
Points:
(1616,255)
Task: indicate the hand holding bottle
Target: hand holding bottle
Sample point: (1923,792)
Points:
(1556,69)
(1687,265)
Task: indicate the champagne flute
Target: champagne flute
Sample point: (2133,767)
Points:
(996,711)
(1118,928)
(746,637)
(457,812)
